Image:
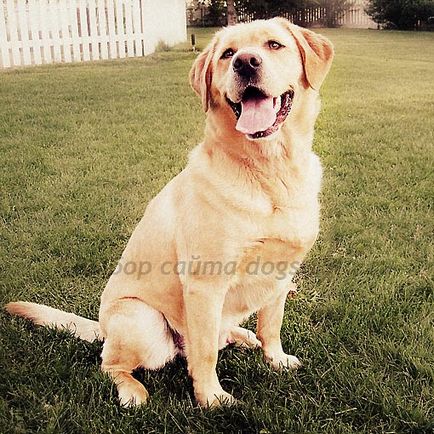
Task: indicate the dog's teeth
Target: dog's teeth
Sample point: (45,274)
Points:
(277,104)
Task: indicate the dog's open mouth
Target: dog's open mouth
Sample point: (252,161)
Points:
(259,115)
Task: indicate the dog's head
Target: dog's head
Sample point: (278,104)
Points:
(255,70)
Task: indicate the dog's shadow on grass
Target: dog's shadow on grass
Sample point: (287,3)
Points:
(169,382)
(73,370)
(239,370)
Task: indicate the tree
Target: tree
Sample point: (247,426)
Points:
(400,14)
(216,13)
(267,8)
(232,13)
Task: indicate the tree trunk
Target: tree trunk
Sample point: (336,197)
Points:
(232,13)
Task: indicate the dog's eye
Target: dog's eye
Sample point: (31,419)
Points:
(274,45)
(228,54)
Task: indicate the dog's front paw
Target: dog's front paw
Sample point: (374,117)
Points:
(132,394)
(283,361)
(216,399)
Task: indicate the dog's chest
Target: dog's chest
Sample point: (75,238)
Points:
(290,210)
(265,269)
(276,242)
(278,246)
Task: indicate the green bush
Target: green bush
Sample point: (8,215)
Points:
(400,14)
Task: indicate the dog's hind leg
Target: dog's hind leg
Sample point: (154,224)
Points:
(136,335)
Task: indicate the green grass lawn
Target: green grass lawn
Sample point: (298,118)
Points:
(85,147)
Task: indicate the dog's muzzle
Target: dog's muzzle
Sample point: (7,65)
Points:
(258,114)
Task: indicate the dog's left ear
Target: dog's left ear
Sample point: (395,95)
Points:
(316,51)
(201,75)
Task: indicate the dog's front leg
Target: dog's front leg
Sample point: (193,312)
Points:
(203,308)
(268,332)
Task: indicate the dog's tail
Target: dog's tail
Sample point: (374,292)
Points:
(40,314)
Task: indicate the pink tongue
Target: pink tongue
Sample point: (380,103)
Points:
(257,114)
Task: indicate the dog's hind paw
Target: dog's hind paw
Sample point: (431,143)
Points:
(243,338)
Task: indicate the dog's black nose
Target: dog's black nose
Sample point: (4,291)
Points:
(247,64)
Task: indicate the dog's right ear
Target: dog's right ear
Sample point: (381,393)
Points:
(201,75)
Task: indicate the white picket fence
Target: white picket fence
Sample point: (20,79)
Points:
(34,32)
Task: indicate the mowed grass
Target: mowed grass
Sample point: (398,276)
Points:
(85,147)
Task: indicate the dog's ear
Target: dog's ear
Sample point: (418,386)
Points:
(316,52)
(201,74)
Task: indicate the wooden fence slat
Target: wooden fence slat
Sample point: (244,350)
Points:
(64,25)
(144,24)
(4,45)
(137,28)
(84,29)
(45,33)
(111,29)
(75,39)
(94,46)
(34,25)
(13,32)
(55,29)
(129,28)
(120,29)
(24,32)
(102,27)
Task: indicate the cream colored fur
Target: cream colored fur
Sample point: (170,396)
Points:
(236,201)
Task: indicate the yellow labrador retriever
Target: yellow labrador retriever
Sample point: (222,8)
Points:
(223,238)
